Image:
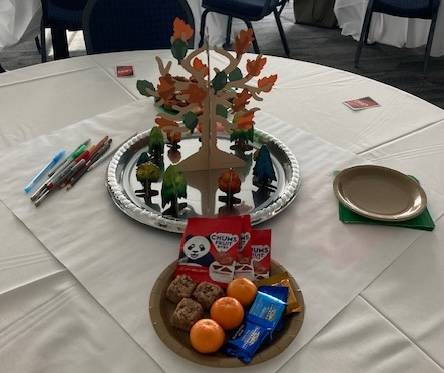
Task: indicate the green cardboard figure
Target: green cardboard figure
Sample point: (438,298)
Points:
(156,143)
(147,173)
(263,170)
(174,186)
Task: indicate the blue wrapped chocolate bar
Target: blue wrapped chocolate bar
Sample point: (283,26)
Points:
(261,320)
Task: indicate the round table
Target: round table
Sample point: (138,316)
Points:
(386,29)
(50,322)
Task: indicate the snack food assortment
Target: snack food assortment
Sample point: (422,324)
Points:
(228,312)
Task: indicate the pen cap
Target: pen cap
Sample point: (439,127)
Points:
(58,156)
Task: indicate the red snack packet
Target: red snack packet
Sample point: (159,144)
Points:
(261,252)
(208,249)
(243,267)
(124,71)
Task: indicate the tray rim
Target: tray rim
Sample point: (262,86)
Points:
(173,345)
(175,225)
(376,216)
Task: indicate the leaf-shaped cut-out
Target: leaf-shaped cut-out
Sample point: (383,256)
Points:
(179,49)
(195,93)
(267,83)
(219,81)
(200,66)
(241,100)
(164,122)
(182,30)
(190,120)
(165,88)
(254,67)
(243,40)
(236,74)
(221,110)
(143,85)
(244,121)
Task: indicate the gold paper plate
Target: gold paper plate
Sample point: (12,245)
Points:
(380,193)
(178,341)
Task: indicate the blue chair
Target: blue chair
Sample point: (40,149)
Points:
(60,15)
(425,9)
(248,11)
(125,25)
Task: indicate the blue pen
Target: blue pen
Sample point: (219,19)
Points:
(44,170)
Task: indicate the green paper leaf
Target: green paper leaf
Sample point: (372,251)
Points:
(179,49)
(236,74)
(222,111)
(142,85)
(148,171)
(219,81)
(190,120)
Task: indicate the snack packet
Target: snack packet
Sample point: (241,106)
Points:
(261,252)
(208,249)
(243,267)
(261,320)
(283,279)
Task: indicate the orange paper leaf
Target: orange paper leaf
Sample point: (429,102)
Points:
(255,67)
(195,94)
(163,123)
(182,30)
(165,88)
(243,41)
(241,100)
(267,83)
(200,66)
(245,121)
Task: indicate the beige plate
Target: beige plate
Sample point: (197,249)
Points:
(176,340)
(380,193)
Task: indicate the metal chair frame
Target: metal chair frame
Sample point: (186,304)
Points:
(366,29)
(276,12)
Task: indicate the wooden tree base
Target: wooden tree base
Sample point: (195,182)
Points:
(215,159)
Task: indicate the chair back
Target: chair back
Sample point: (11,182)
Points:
(124,25)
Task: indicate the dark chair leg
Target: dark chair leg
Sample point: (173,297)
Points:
(43,43)
(37,44)
(59,43)
(203,21)
(2,70)
(364,32)
(281,32)
(228,37)
(430,42)
(255,44)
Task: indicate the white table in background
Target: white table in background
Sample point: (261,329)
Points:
(50,323)
(386,29)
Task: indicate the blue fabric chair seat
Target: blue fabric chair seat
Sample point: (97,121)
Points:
(70,19)
(406,8)
(246,8)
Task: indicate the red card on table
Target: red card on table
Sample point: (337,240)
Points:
(361,103)
(124,71)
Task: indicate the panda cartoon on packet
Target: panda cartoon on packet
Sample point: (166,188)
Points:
(196,250)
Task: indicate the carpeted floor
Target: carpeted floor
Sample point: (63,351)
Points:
(401,68)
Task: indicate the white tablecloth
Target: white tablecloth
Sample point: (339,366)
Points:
(20,19)
(41,301)
(386,29)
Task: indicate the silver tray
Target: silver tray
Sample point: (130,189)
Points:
(261,205)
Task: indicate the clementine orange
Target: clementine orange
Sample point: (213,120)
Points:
(227,312)
(207,336)
(243,289)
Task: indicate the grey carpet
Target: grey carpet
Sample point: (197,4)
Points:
(401,68)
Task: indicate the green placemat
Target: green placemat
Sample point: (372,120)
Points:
(423,221)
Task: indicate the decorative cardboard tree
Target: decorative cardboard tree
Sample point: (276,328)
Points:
(208,99)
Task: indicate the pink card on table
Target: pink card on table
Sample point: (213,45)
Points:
(361,103)
(124,71)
